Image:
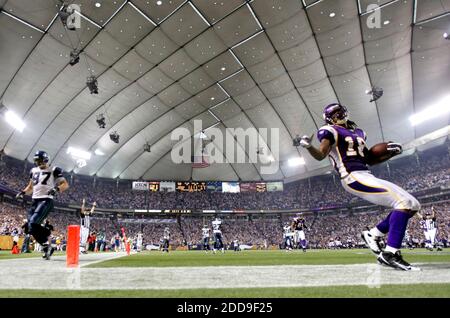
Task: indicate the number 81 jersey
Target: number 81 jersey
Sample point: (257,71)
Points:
(347,148)
(44,180)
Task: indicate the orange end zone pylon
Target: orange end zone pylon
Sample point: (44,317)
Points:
(73,245)
(127,245)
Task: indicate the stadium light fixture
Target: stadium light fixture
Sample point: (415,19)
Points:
(114,136)
(92,84)
(78,153)
(294,162)
(101,121)
(14,121)
(441,108)
(147,147)
(74,57)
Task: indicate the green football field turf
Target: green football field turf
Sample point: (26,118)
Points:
(8,255)
(401,291)
(258,258)
(254,258)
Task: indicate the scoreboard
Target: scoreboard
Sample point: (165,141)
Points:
(212,186)
(191,186)
(154,186)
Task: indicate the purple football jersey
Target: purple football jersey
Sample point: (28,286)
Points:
(347,148)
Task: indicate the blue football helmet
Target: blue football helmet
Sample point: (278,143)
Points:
(40,158)
(335,114)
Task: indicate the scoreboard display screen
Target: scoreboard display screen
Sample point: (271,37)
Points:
(191,186)
(261,187)
(154,186)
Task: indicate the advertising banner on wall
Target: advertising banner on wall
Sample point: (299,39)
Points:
(140,185)
(275,186)
(230,187)
(167,186)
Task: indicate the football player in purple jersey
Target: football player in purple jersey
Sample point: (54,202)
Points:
(345,144)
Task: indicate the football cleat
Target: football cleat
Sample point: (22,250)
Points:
(49,252)
(44,249)
(372,242)
(395,261)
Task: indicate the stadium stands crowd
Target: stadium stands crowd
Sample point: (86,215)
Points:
(328,230)
(316,192)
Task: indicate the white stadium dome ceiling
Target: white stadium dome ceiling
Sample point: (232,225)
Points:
(230,63)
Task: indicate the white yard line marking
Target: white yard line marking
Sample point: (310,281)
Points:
(41,274)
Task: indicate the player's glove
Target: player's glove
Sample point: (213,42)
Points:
(20,195)
(394,148)
(306,141)
(53,191)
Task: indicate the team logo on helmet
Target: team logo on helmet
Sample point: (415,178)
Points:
(41,157)
(335,114)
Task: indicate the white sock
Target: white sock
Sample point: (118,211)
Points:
(391,249)
(376,232)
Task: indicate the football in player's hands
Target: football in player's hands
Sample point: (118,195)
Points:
(380,150)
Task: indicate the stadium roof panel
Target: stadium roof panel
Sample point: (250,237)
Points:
(256,64)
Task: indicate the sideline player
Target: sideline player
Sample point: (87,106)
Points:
(408,240)
(218,241)
(288,235)
(299,226)
(85,222)
(166,240)
(345,144)
(139,242)
(206,234)
(44,183)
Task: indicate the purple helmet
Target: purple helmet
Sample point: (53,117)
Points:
(335,114)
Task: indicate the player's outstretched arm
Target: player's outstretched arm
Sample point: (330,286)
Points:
(317,153)
(28,190)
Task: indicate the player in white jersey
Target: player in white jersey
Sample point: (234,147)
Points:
(45,182)
(218,242)
(288,235)
(408,240)
(85,216)
(139,241)
(166,240)
(428,224)
(206,234)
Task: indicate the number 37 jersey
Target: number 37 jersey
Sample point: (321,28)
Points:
(347,148)
(44,180)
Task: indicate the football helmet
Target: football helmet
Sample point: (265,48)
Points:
(335,114)
(40,158)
